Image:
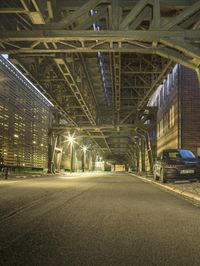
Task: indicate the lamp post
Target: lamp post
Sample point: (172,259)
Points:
(84,149)
(72,158)
(71,142)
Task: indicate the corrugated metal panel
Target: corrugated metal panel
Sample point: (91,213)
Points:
(24,121)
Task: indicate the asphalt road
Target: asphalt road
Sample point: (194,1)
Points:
(96,219)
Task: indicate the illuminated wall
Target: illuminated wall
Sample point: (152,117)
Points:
(166,99)
(24,120)
(178,102)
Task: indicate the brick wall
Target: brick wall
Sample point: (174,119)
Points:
(190,106)
(169,137)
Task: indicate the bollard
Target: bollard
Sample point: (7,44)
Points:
(6,173)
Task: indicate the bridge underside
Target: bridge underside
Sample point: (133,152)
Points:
(99,61)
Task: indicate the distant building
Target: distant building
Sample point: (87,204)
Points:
(178,117)
(24,120)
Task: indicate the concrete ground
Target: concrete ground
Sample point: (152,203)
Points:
(95,219)
(191,190)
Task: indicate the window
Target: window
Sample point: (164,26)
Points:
(157,101)
(161,97)
(166,122)
(170,82)
(198,151)
(186,154)
(175,75)
(158,129)
(171,116)
(161,127)
(165,89)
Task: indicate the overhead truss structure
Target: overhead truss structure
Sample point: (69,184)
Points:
(99,61)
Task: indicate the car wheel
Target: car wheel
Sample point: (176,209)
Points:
(162,176)
(193,180)
(155,177)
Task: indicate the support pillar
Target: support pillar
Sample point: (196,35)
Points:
(149,152)
(71,157)
(142,147)
(83,161)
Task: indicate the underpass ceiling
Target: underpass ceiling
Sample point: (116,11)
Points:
(99,61)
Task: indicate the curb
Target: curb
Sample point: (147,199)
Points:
(178,191)
(18,177)
(8,181)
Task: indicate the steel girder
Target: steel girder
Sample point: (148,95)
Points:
(80,52)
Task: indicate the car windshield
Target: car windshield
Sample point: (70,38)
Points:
(186,154)
(173,154)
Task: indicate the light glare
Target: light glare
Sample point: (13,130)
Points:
(85,148)
(70,139)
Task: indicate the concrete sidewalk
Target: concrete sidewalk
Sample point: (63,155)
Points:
(189,190)
(18,176)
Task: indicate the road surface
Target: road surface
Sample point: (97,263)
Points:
(95,219)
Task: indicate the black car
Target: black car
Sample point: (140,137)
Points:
(176,164)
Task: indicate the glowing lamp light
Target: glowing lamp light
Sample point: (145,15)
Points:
(85,148)
(71,139)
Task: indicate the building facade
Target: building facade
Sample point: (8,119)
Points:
(24,120)
(178,116)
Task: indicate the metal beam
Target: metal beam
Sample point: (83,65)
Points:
(44,91)
(128,115)
(88,78)
(180,45)
(116,15)
(177,57)
(133,14)
(92,19)
(103,127)
(117,79)
(154,85)
(14,49)
(190,21)
(155,24)
(50,9)
(12,10)
(182,16)
(24,4)
(104,35)
(85,8)
(145,14)
(67,75)
(128,3)
(94,140)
